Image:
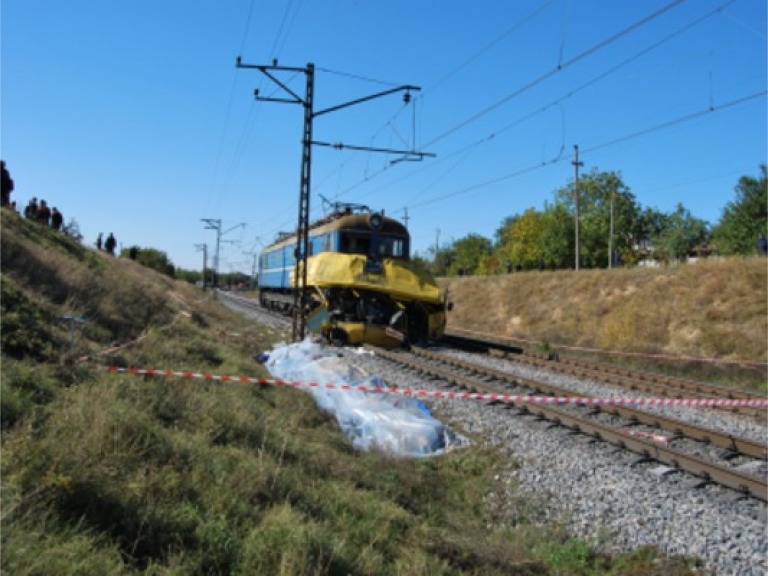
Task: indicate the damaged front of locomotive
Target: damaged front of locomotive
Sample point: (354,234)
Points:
(393,306)
(368,290)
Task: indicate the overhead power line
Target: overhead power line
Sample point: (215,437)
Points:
(489,46)
(557,101)
(559,68)
(676,121)
(639,133)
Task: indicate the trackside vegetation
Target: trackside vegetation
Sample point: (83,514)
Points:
(106,473)
(714,310)
(614,230)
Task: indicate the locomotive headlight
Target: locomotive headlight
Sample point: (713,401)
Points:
(375,221)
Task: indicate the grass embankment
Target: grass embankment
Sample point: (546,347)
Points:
(122,474)
(715,309)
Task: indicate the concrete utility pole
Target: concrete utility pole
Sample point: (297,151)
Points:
(610,238)
(307,102)
(204,248)
(576,165)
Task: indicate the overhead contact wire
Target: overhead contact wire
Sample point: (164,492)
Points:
(680,120)
(554,71)
(555,102)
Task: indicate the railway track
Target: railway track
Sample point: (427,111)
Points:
(629,428)
(613,492)
(658,385)
(709,455)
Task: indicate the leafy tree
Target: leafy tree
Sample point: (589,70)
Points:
(151,258)
(680,234)
(441,260)
(501,231)
(191,276)
(557,236)
(744,218)
(597,192)
(421,264)
(523,240)
(490,264)
(468,254)
(649,226)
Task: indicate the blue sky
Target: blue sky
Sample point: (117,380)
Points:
(131,117)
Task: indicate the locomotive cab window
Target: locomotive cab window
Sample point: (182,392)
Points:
(374,244)
(355,243)
(392,247)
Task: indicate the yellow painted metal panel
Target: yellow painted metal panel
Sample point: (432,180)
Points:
(399,279)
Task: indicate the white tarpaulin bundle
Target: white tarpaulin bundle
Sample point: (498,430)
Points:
(396,424)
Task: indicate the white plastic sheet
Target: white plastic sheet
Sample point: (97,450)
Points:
(396,424)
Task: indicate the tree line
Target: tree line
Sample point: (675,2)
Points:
(614,229)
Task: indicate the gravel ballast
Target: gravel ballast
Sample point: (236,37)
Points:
(616,503)
(596,491)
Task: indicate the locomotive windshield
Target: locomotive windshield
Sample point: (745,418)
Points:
(373,244)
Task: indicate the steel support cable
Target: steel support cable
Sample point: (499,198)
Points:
(225,129)
(450,74)
(357,77)
(376,134)
(466,152)
(551,104)
(475,56)
(228,112)
(250,120)
(247,27)
(488,46)
(676,121)
(248,126)
(680,120)
(554,71)
(621,139)
(279,42)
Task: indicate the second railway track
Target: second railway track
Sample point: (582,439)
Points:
(637,380)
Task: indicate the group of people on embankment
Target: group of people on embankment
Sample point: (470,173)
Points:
(41,213)
(35,211)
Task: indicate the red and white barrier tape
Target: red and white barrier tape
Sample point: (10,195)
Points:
(513,398)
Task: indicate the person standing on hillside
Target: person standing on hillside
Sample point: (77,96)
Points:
(110,244)
(6,185)
(44,213)
(57,219)
(30,212)
(99,241)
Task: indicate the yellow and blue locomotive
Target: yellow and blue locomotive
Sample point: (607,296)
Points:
(361,284)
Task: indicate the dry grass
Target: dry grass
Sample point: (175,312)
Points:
(713,309)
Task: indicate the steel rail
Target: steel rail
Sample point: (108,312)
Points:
(627,378)
(680,428)
(706,471)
